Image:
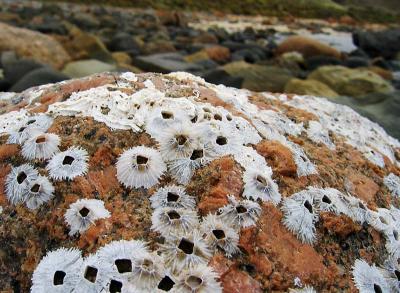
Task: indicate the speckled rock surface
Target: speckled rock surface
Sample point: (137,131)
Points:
(304,141)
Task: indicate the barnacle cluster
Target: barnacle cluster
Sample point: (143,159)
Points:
(189,133)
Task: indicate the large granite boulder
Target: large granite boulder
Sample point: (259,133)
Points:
(153,183)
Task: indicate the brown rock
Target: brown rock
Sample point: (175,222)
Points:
(218,53)
(8,150)
(340,225)
(32,44)
(364,187)
(278,156)
(308,47)
(236,281)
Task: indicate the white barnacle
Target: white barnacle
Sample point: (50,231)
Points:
(121,255)
(220,235)
(140,167)
(178,141)
(260,185)
(330,200)
(243,213)
(392,182)
(173,196)
(318,134)
(167,283)
(391,272)
(57,271)
(147,272)
(40,122)
(40,146)
(368,278)
(176,221)
(300,215)
(182,169)
(83,213)
(200,278)
(17,182)
(247,157)
(185,251)
(93,275)
(381,220)
(392,244)
(222,139)
(306,289)
(39,191)
(68,164)
(357,209)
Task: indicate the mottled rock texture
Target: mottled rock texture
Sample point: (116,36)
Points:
(271,258)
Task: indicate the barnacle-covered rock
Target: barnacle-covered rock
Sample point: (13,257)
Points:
(165,183)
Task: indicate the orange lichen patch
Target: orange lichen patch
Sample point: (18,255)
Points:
(4,171)
(213,183)
(262,263)
(278,156)
(8,150)
(340,225)
(291,257)
(102,158)
(364,187)
(220,264)
(235,281)
(299,115)
(88,239)
(33,252)
(105,180)
(82,186)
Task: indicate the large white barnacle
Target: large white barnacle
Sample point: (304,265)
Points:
(200,278)
(392,182)
(140,167)
(93,275)
(260,185)
(167,283)
(329,199)
(220,235)
(172,196)
(39,191)
(38,122)
(147,272)
(357,210)
(306,289)
(185,251)
(83,213)
(391,272)
(57,271)
(178,141)
(176,221)
(368,279)
(300,215)
(182,169)
(17,182)
(381,220)
(243,213)
(122,255)
(68,164)
(40,146)
(222,139)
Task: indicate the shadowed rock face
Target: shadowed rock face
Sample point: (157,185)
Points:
(296,142)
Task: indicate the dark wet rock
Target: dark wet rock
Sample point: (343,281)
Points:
(382,43)
(14,71)
(165,63)
(85,21)
(207,64)
(220,76)
(4,85)
(354,62)
(317,61)
(124,42)
(380,62)
(249,55)
(38,77)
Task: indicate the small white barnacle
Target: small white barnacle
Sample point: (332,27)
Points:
(300,215)
(329,200)
(187,251)
(147,272)
(167,283)
(318,134)
(368,278)
(392,182)
(222,139)
(200,278)
(121,255)
(260,185)
(182,169)
(381,219)
(140,167)
(220,235)
(40,146)
(391,272)
(243,213)
(39,191)
(57,271)
(357,209)
(68,164)
(178,141)
(40,122)
(392,235)
(93,275)
(173,196)
(306,289)
(17,182)
(162,118)
(176,221)
(83,213)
